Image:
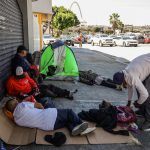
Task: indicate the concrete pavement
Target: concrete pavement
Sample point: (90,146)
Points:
(90,96)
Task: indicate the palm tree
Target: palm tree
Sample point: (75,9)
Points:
(120,26)
(114,21)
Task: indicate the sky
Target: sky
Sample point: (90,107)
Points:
(97,12)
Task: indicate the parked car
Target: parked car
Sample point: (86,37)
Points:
(115,40)
(147,40)
(88,39)
(48,39)
(140,39)
(67,40)
(125,41)
(101,40)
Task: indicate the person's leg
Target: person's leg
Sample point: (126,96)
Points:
(66,118)
(58,91)
(45,91)
(145,108)
(108,84)
(62,92)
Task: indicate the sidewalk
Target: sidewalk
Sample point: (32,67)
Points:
(90,96)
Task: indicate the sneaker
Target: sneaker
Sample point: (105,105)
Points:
(146,126)
(88,130)
(80,128)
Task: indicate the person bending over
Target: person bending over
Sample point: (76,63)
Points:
(137,76)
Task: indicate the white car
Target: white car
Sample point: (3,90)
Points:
(125,41)
(102,40)
(48,39)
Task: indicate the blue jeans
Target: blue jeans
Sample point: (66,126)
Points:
(46,102)
(66,118)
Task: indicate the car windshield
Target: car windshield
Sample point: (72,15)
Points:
(117,38)
(104,35)
(126,38)
(47,36)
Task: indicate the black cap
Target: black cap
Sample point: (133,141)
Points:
(118,78)
(21,48)
(57,139)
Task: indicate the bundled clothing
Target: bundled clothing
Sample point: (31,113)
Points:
(88,77)
(108,116)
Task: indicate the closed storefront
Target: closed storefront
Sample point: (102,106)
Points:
(11,36)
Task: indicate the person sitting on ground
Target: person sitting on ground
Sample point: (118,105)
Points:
(34,69)
(90,78)
(20,59)
(32,115)
(137,76)
(20,84)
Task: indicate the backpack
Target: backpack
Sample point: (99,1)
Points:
(125,114)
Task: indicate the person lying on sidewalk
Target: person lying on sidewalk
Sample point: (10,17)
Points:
(90,78)
(32,115)
(20,84)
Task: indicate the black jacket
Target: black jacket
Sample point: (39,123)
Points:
(103,117)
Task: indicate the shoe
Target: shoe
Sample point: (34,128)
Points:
(88,130)
(71,94)
(80,128)
(146,126)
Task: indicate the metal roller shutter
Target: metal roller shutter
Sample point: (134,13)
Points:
(11,36)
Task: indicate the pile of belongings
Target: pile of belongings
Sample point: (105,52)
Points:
(109,117)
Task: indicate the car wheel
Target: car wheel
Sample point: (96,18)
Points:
(124,44)
(135,45)
(92,43)
(72,44)
(100,44)
(111,45)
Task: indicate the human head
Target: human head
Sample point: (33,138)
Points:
(11,105)
(22,50)
(19,73)
(118,78)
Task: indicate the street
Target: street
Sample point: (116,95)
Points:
(128,53)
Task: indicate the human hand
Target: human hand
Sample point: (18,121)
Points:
(38,105)
(129,104)
(136,104)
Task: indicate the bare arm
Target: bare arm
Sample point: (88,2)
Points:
(38,105)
